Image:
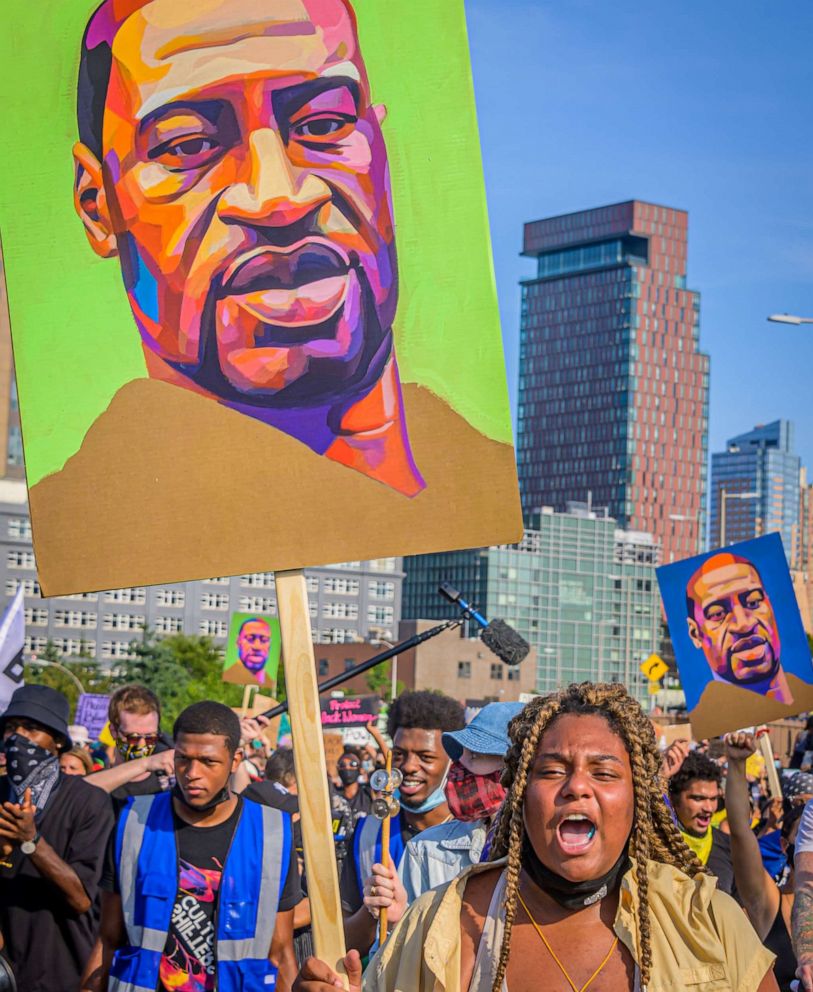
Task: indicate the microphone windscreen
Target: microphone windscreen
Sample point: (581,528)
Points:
(505,642)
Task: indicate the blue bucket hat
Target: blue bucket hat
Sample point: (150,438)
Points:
(486,734)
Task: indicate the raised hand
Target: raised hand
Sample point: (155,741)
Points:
(673,757)
(739,746)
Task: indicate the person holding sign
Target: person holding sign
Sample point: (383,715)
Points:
(694,791)
(589,878)
(416,723)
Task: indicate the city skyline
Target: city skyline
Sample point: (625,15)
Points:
(599,108)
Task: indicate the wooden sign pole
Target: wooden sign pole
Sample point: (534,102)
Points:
(764,745)
(311,769)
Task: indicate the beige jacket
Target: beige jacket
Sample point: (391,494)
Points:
(701,939)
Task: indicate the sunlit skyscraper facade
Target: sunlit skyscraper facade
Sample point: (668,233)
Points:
(613,388)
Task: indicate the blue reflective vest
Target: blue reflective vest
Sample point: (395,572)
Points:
(367,846)
(253,878)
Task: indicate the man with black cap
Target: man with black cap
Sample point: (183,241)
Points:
(53,835)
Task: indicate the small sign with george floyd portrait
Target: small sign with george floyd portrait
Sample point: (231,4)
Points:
(741,649)
(252,301)
(253,650)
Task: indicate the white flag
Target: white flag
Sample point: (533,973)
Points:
(12,641)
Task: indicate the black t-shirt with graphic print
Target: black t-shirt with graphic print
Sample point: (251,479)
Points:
(188,963)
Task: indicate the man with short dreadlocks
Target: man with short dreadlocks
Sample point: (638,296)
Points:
(590,887)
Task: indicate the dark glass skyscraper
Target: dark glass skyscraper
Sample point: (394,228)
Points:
(757,477)
(613,387)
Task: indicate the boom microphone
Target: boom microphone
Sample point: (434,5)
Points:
(497,635)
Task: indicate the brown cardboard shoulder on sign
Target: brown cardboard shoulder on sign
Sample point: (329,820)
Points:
(724,708)
(117,537)
(334,746)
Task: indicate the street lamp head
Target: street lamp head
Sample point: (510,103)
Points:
(789,318)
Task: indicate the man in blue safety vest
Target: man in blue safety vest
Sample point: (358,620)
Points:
(200,884)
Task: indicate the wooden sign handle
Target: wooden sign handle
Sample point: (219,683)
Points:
(764,745)
(385,859)
(311,769)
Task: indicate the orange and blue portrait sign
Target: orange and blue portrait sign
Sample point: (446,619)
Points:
(741,649)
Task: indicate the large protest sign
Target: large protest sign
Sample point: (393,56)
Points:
(200,297)
(352,711)
(741,649)
(91,712)
(252,650)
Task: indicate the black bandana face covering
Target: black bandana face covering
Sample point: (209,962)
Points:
(30,766)
(571,895)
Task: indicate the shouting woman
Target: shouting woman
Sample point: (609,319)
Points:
(591,885)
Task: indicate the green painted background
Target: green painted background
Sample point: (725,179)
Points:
(75,342)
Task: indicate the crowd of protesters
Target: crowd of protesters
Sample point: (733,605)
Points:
(553,839)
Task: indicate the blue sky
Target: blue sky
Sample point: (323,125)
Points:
(706,106)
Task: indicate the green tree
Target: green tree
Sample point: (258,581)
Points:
(379,681)
(63,673)
(180,669)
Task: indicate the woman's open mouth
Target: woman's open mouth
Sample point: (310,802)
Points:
(576,833)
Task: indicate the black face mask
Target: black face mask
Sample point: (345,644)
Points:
(221,797)
(348,775)
(572,895)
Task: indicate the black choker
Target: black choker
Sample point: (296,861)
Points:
(571,895)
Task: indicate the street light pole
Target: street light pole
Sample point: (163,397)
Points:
(34,660)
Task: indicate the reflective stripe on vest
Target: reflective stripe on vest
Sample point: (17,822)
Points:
(248,896)
(367,847)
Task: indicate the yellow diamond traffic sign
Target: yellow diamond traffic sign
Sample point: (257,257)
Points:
(654,668)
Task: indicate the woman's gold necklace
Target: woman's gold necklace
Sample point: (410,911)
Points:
(552,953)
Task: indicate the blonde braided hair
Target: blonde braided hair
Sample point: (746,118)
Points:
(654,833)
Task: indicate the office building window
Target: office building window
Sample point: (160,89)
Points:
(75,618)
(170,597)
(123,621)
(496,670)
(15,445)
(257,604)
(19,528)
(341,585)
(324,667)
(169,625)
(20,559)
(214,601)
(380,589)
(214,628)
(137,596)
(380,614)
(340,610)
(30,587)
(259,580)
(464,669)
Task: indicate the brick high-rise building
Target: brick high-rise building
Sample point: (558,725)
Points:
(613,387)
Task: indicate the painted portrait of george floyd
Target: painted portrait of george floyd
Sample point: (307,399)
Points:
(252,650)
(266,335)
(740,645)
